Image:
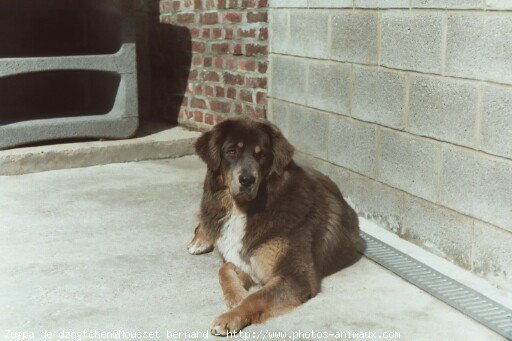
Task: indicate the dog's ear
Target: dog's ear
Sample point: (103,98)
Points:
(282,149)
(208,149)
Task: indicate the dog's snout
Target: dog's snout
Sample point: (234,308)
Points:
(246,179)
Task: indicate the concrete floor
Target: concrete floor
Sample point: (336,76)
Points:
(103,248)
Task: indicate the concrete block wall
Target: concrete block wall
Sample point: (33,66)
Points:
(407,105)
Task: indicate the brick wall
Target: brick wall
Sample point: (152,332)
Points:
(409,108)
(229,57)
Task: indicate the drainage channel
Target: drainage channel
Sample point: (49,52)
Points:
(466,300)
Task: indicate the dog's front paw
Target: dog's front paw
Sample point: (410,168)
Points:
(198,247)
(200,244)
(228,323)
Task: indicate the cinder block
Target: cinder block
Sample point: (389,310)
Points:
(439,230)
(477,185)
(278,30)
(288,3)
(308,33)
(408,163)
(379,96)
(382,3)
(337,174)
(376,201)
(278,114)
(328,87)
(288,78)
(411,40)
(499,4)
(447,4)
(307,130)
(496,123)
(492,254)
(478,46)
(330,3)
(352,144)
(354,37)
(443,108)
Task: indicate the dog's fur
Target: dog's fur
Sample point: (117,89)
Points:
(285,227)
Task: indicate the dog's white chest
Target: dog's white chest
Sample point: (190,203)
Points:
(229,242)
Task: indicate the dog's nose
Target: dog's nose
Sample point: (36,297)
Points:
(246,179)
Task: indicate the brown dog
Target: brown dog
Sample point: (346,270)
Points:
(274,223)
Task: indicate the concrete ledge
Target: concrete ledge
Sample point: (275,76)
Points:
(154,142)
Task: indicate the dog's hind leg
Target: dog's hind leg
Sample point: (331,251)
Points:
(277,296)
(235,283)
(200,243)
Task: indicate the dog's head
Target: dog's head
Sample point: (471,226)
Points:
(245,151)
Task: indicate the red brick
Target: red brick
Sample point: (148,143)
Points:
(219,106)
(217,33)
(233,79)
(219,62)
(246,64)
(253,17)
(245,95)
(194,32)
(246,33)
(192,75)
(232,4)
(185,18)
(197,61)
(220,48)
(239,109)
(208,90)
(198,46)
(219,91)
(211,76)
(253,49)
(209,18)
(257,82)
(232,17)
(198,116)
(248,3)
(263,33)
(228,33)
(261,97)
(230,63)
(262,67)
(237,49)
(231,93)
(198,103)
(208,119)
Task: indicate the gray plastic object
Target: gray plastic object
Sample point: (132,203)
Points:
(90,91)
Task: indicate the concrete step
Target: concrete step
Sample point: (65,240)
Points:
(155,140)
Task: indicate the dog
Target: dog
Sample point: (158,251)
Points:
(275,224)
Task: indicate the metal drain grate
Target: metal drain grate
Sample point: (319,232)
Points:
(466,300)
